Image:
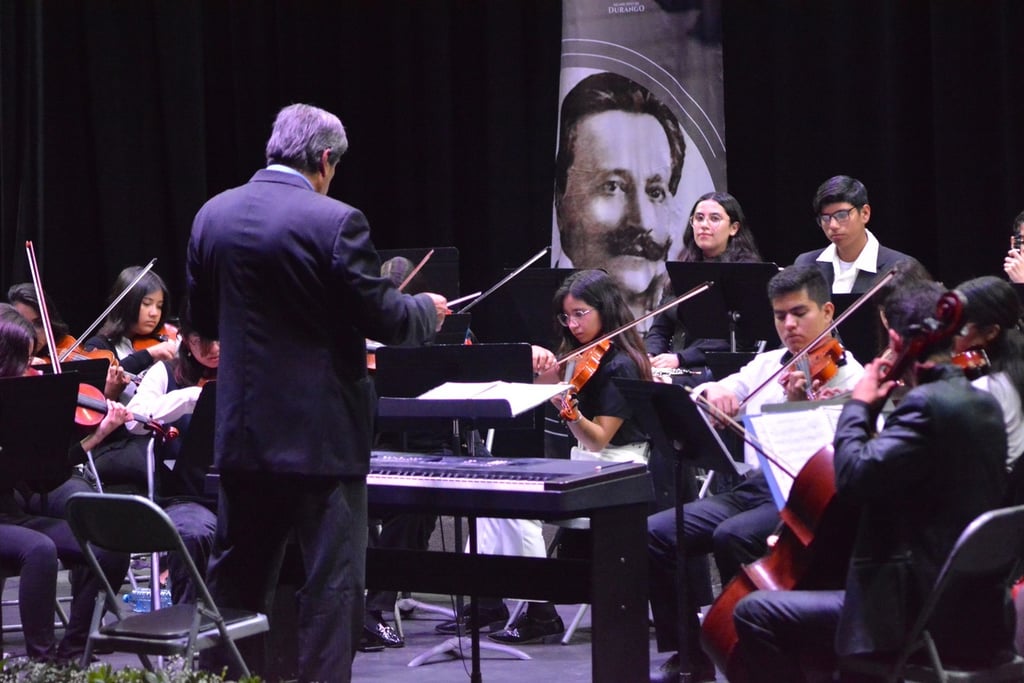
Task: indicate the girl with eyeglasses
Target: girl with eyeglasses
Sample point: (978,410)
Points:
(586,306)
(716,231)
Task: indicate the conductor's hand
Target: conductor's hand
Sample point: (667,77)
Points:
(440,306)
(1013,264)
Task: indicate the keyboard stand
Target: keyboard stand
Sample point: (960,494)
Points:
(456,645)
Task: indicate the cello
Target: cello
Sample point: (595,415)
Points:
(816,535)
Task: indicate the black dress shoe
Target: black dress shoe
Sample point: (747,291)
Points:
(491,619)
(526,629)
(379,634)
(668,672)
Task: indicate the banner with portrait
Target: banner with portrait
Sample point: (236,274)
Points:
(640,135)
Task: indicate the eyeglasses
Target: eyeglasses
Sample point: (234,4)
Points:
(578,315)
(710,219)
(841,216)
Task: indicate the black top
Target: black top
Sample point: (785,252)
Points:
(600,396)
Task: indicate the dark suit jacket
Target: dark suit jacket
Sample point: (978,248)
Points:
(887,258)
(289,281)
(939,462)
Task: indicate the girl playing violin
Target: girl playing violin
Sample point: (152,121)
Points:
(586,306)
(991,336)
(23,298)
(31,544)
(136,330)
(136,321)
(168,394)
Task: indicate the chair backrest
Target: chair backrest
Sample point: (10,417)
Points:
(991,544)
(974,580)
(121,523)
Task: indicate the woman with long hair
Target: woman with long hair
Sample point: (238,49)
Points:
(716,230)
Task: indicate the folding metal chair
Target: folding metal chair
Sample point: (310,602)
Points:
(123,523)
(990,549)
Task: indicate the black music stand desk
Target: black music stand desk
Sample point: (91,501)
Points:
(736,306)
(37,415)
(677,426)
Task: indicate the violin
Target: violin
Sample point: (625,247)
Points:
(974,362)
(586,365)
(92,406)
(166,332)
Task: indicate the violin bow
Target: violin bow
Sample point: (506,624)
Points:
(827,331)
(412,273)
(736,427)
(117,299)
(505,279)
(44,313)
(699,289)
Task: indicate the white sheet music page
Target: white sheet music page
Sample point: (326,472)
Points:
(792,437)
(520,396)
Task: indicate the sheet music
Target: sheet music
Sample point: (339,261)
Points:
(792,437)
(520,396)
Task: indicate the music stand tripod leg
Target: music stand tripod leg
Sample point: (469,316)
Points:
(457,645)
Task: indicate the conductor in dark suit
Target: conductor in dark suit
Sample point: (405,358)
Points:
(289,281)
(855,257)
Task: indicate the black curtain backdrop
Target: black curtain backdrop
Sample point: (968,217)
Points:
(119,119)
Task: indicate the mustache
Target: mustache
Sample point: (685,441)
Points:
(632,241)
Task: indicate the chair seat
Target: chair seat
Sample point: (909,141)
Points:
(144,632)
(1011,671)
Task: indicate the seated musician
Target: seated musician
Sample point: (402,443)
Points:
(735,525)
(716,231)
(168,394)
(937,464)
(990,348)
(31,544)
(23,298)
(587,305)
(134,332)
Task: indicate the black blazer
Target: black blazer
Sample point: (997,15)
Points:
(887,258)
(939,462)
(289,282)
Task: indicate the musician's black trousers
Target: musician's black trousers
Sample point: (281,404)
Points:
(783,633)
(734,525)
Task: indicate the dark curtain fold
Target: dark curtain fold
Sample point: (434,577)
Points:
(120,119)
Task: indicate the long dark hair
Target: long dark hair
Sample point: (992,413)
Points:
(188,371)
(17,337)
(741,246)
(25,293)
(993,301)
(598,289)
(120,320)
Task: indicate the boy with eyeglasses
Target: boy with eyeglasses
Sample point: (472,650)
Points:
(854,258)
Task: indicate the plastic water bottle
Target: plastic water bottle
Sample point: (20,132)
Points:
(141,599)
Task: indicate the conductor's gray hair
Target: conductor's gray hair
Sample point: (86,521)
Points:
(301,134)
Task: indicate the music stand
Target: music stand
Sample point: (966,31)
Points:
(521,310)
(454,329)
(675,423)
(735,307)
(440,274)
(36,422)
(859,333)
(406,372)
(92,371)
